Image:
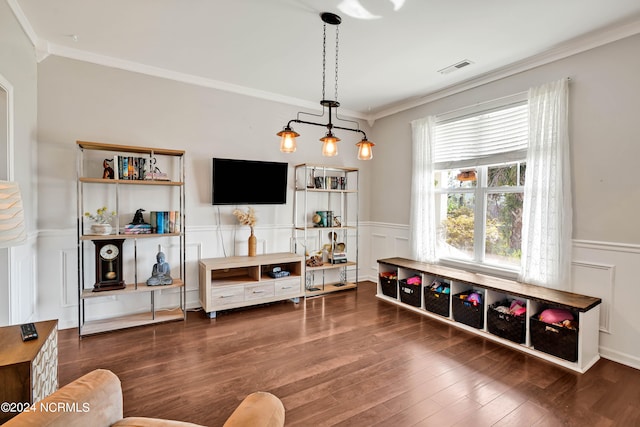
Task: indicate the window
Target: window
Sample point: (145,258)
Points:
(479,171)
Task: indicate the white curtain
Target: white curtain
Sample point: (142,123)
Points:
(547,219)
(422,218)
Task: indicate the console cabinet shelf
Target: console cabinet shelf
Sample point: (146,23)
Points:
(125,196)
(494,290)
(241,281)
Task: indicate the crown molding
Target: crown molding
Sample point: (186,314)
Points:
(23,21)
(136,67)
(590,41)
(565,50)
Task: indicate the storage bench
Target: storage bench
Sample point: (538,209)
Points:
(576,348)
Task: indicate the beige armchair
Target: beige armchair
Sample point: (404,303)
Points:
(95,399)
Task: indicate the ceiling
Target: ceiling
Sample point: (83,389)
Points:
(273,48)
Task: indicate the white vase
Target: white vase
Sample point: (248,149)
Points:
(101,229)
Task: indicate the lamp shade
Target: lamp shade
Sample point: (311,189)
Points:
(12,229)
(329,145)
(288,140)
(365,151)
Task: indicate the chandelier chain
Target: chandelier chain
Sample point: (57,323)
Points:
(336,86)
(324,56)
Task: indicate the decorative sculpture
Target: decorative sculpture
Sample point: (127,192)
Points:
(161,272)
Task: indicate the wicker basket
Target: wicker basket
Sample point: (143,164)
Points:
(555,340)
(467,313)
(389,287)
(410,294)
(436,302)
(506,325)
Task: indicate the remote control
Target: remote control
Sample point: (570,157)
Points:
(28,332)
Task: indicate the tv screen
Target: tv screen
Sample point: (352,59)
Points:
(249,182)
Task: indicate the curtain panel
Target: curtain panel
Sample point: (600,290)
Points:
(423,216)
(548,214)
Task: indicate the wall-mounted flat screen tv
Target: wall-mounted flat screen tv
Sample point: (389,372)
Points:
(249,182)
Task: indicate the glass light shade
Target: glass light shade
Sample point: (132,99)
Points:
(288,141)
(329,145)
(12,228)
(365,151)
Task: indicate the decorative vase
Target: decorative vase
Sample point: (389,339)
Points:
(101,229)
(253,244)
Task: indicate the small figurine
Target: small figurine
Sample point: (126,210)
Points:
(137,218)
(108,170)
(161,273)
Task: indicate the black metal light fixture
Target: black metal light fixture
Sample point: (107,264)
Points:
(329,141)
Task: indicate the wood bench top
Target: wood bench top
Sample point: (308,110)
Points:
(565,299)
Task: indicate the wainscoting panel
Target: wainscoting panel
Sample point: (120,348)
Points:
(23,281)
(610,271)
(596,280)
(69,277)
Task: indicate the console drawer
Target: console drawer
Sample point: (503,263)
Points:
(227,295)
(288,286)
(252,292)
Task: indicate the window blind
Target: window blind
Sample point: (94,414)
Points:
(499,135)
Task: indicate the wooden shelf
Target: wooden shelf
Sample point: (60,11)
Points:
(131,321)
(330,287)
(87,180)
(88,145)
(311,228)
(325,190)
(125,236)
(329,266)
(326,167)
(131,288)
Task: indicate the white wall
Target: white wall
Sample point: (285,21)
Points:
(604,129)
(82,101)
(18,67)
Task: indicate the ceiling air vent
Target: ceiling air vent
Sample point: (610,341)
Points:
(455,67)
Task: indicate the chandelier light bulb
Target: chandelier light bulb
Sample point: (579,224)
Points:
(365,151)
(288,140)
(329,145)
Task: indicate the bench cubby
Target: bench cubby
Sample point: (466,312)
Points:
(575,349)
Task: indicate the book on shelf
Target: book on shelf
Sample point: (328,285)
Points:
(163,222)
(130,168)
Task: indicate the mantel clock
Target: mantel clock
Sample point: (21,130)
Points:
(108,265)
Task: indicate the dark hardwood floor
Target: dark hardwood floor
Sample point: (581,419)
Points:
(346,359)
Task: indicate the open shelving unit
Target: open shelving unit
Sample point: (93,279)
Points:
(329,193)
(124,193)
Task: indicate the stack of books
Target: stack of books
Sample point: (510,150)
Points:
(137,229)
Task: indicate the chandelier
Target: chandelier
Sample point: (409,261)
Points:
(329,141)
